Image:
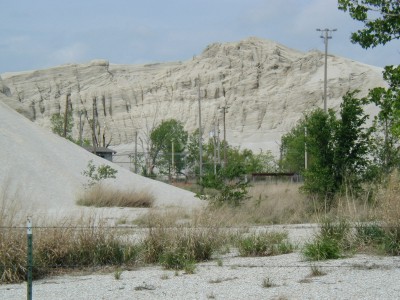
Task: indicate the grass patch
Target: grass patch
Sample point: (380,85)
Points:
(316,271)
(264,244)
(164,276)
(177,240)
(268,204)
(181,247)
(117,274)
(332,242)
(267,283)
(65,245)
(105,196)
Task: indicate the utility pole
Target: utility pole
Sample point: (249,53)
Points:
(215,148)
(80,128)
(326,35)
(200,133)
(94,126)
(224,111)
(218,145)
(136,136)
(67,99)
(305,149)
(172,160)
(212,135)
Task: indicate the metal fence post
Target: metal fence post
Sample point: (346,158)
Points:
(29,258)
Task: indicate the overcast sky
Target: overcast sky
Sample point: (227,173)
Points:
(43,33)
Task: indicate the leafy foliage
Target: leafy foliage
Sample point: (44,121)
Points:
(57,124)
(337,148)
(380,18)
(293,148)
(387,122)
(95,175)
(230,193)
(331,243)
(169,134)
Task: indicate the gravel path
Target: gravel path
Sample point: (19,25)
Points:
(359,277)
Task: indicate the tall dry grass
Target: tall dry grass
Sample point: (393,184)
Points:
(389,200)
(174,239)
(269,203)
(68,243)
(63,245)
(12,236)
(105,196)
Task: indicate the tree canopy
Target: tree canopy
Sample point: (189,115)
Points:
(168,140)
(381,19)
(337,148)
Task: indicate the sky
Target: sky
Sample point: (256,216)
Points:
(45,33)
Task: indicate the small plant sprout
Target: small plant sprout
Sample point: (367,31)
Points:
(164,276)
(267,283)
(117,274)
(316,271)
(219,262)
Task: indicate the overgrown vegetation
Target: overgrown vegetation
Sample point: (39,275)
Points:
(331,243)
(264,244)
(69,245)
(108,196)
(343,238)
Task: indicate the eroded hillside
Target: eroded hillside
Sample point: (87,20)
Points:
(265,86)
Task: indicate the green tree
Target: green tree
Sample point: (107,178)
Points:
(338,149)
(319,177)
(352,142)
(381,19)
(57,125)
(293,148)
(167,140)
(387,122)
(193,156)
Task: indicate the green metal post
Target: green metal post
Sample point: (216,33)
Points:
(29,259)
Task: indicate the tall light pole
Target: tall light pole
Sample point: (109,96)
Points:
(326,34)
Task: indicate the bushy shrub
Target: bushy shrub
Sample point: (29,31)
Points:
(323,248)
(178,247)
(95,175)
(264,244)
(333,242)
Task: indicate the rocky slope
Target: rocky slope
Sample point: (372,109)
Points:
(266,87)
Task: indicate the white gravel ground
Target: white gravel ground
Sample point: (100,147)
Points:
(358,277)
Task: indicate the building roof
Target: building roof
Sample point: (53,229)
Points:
(100,150)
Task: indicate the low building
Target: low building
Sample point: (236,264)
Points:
(103,152)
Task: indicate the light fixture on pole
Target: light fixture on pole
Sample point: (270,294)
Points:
(326,35)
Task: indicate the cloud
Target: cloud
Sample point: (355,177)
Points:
(69,54)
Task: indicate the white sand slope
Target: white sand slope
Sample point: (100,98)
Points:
(46,170)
